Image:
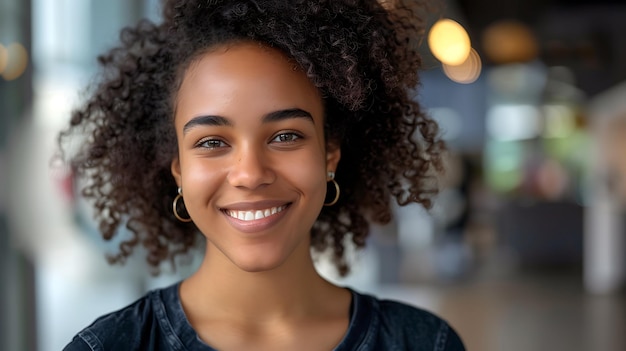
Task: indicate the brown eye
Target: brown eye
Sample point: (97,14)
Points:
(211,144)
(286,138)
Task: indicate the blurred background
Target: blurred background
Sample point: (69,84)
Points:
(525,248)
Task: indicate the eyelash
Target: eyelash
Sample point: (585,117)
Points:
(202,142)
(217,143)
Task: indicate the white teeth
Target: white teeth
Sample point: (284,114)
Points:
(254,215)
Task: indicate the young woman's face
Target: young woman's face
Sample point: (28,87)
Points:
(252,158)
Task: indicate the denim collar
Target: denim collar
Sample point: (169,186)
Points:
(364,322)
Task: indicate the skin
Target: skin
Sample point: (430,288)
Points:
(250,134)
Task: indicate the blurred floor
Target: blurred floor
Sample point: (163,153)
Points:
(529,311)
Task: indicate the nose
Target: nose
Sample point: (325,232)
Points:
(251,168)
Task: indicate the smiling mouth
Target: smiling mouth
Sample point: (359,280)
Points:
(253,215)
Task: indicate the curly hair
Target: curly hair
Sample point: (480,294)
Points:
(363,57)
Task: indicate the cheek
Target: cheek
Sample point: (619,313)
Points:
(308,172)
(200,180)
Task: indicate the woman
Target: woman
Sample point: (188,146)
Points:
(232,119)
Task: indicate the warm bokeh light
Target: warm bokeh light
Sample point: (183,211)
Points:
(449,42)
(4,58)
(17,61)
(509,41)
(467,72)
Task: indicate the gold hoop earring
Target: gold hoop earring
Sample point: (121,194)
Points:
(331,175)
(175,207)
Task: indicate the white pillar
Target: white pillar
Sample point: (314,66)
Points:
(605,234)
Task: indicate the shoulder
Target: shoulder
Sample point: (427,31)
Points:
(413,328)
(125,329)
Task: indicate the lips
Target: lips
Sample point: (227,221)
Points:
(250,217)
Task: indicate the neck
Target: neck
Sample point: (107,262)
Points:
(293,289)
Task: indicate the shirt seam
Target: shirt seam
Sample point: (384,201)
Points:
(165,325)
(372,327)
(442,337)
(89,338)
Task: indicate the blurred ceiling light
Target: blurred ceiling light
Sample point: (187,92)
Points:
(467,72)
(17,61)
(449,42)
(509,41)
(513,122)
(4,58)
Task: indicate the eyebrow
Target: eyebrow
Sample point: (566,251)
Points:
(275,116)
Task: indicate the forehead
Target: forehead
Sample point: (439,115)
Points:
(245,70)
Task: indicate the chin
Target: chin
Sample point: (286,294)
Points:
(258,266)
(264,260)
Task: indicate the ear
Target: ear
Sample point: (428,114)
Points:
(333,155)
(176,171)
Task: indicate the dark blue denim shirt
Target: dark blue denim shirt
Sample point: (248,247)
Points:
(157,322)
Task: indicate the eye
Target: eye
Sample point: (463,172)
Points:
(286,138)
(211,144)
